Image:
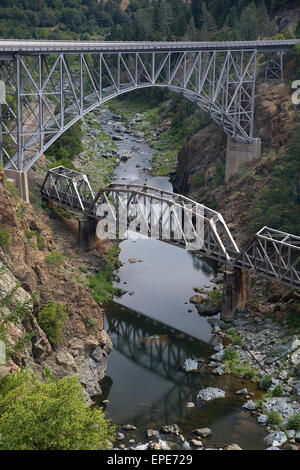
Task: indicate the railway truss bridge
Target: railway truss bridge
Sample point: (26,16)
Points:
(119,208)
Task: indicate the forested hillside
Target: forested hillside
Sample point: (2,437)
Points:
(140,19)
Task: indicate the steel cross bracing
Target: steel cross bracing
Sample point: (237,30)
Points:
(174,218)
(49,85)
(274,254)
(160,214)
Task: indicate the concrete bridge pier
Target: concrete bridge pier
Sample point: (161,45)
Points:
(86,232)
(235,294)
(239,152)
(20,180)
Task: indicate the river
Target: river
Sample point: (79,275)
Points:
(154,329)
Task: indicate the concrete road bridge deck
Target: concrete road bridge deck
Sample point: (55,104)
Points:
(46,86)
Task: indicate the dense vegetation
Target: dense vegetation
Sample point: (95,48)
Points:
(277,205)
(141,20)
(49,415)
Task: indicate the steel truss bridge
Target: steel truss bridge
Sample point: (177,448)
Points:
(46,86)
(175,219)
(161,350)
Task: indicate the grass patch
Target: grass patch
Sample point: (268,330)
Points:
(101,284)
(5,238)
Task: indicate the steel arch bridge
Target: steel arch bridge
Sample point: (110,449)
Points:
(49,85)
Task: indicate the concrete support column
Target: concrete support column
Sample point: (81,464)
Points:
(236,291)
(86,232)
(238,152)
(20,180)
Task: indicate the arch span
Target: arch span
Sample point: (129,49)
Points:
(54,90)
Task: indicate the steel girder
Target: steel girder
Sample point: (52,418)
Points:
(274,67)
(163,215)
(272,253)
(48,92)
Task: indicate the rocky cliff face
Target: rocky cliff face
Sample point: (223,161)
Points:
(234,198)
(84,348)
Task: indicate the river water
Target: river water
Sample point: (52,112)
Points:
(154,329)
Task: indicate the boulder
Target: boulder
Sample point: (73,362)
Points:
(276,439)
(250,405)
(233,447)
(190,364)
(217,356)
(210,393)
(203,432)
(296,389)
(172,429)
(196,443)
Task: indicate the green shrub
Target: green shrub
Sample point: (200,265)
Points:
(250,373)
(219,172)
(294,422)
(215,296)
(91,322)
(260,404)
(198,179)
(265,382)
(50,415)
(235,337)
(55,258)
(230,354)
(5,238)
(40,242)
(278,391)
(274,418)
(101,284)
(52,319)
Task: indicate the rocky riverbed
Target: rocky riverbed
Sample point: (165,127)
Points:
(253,347)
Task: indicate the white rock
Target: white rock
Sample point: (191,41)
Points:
(276,439)
(262,419)
(250,405)
(190,364)
(218,356)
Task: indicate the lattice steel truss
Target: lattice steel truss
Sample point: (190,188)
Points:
(274,67)
(162,214)
(272,253)
(47,92)
(68,187)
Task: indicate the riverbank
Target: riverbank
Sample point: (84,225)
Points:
(124,155)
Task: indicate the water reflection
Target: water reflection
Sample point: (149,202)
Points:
(152,344)
(146,383)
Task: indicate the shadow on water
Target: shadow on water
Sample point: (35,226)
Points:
(147,386)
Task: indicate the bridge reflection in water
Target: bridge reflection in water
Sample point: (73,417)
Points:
(160,351)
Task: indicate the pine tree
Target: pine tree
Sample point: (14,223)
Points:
(248,27)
